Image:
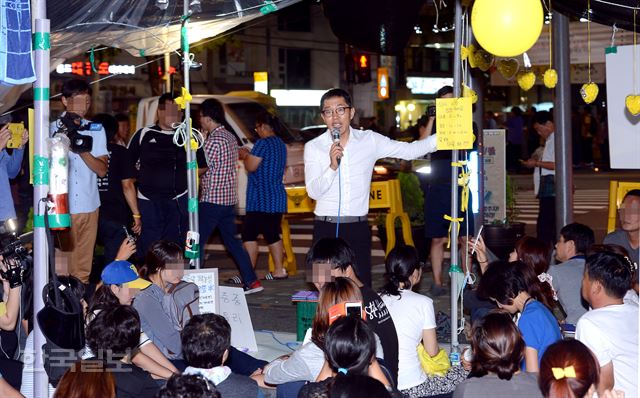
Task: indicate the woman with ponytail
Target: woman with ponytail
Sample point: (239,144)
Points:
(350,351)
(568,370)
(415,321)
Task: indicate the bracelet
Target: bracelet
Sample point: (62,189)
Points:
(137,216)
(483,262)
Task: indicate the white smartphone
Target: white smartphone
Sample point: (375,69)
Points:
(475,243)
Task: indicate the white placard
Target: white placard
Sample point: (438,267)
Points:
(207,281)
(624,128)
(494,175)
(233,306)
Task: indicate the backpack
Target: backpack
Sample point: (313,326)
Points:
(181,303)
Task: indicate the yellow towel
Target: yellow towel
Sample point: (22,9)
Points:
(437,365)
(3,308)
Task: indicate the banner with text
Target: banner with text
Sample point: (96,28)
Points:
(494,176)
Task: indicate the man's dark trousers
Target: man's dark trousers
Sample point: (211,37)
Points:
(162,219)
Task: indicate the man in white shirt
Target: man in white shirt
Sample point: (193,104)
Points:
(546,225)
(338,175)
(610,328)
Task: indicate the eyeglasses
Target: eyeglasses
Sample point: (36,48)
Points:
(339,111)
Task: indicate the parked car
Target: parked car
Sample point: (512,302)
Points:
(240,114)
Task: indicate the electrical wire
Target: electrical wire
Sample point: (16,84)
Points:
(339,199)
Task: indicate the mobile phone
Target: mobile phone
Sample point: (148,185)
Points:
(131,238)
(354,309)
(431,111)
(16,130)
(475,243)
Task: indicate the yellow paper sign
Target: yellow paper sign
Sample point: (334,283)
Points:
(454,123)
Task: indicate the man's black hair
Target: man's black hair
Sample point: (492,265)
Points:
(613,271)
(350,344)
(162,100)
(542,117)
(581,235)
(74,87)
(114,329)
(205,338)
(192,386)
(212,108)
(633,192)
(336,92)
(109,123)
(503,281)
(444,90)
(335,251)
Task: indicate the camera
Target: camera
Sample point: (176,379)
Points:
(69,125)
(431,111)
(16,257)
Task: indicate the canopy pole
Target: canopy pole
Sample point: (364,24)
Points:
(454,270)
(192,172)
(562,118)
(41,47)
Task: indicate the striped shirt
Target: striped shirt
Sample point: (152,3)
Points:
(220,182)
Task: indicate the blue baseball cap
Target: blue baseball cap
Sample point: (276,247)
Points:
(122,272)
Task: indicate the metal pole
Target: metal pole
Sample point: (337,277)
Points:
(455,266)
(562,118)
(41,46)
(192,167)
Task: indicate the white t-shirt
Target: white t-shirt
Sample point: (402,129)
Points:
(611,332)
(549,154)
(411,313)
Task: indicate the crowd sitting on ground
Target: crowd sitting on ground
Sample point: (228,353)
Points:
(134,348)
(525,311)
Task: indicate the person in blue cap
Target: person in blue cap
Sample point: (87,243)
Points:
(120,283)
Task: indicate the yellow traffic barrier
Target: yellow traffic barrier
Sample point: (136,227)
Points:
(383,195)
(617,190)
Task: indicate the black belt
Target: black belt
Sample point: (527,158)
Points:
(341,219)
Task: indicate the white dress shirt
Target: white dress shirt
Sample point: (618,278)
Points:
(360,154)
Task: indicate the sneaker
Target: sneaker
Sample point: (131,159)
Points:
(255,287)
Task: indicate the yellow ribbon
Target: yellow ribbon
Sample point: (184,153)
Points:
(560,373)
(452,220)
(463,180)
(183,98)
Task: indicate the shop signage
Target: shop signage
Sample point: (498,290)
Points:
(80,68)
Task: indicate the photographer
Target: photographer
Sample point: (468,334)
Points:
(87,162)
(10,304)
(9,168)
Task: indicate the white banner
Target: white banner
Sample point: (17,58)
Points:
(494,175)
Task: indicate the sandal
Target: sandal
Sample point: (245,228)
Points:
(271,277)
(235,280)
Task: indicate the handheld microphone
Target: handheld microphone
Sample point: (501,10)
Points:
(335,135)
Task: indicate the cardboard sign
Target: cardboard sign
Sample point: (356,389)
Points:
(454,123)
(233,306)
(207,281)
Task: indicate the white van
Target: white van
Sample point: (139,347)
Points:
(240,114)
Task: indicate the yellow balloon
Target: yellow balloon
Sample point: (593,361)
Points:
(507,28)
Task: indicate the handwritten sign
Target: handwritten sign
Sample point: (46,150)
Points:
(233,306)
(207,281)
(453,123)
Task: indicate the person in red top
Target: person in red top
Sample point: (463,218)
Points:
(218,190)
